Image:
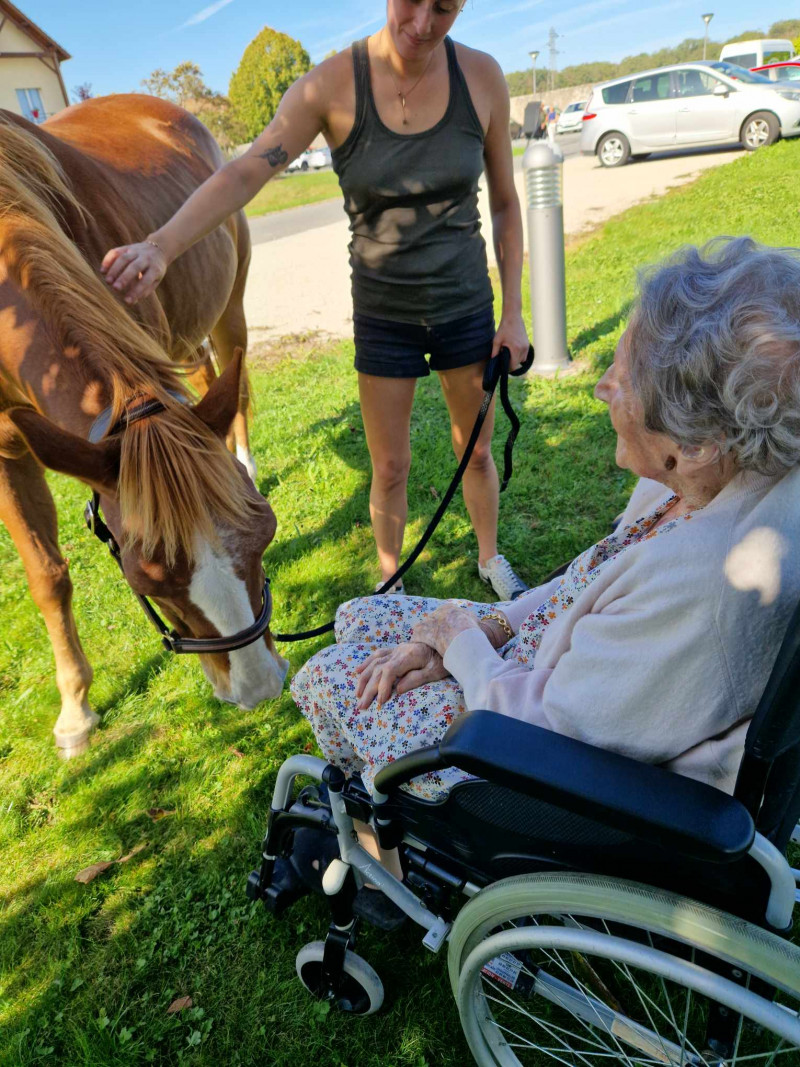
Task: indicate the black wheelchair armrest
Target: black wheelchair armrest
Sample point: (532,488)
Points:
(647,801)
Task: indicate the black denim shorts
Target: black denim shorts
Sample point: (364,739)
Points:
(398,349)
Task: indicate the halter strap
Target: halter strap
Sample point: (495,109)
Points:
(100,426)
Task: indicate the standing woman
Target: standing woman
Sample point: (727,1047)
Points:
(413,120)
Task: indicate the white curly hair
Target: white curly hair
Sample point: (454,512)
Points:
(715,351)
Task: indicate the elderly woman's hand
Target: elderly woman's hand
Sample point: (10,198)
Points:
(440,627)
(397,670)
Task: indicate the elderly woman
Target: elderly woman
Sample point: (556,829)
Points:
(658,640)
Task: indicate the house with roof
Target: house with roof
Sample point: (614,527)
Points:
(30,67)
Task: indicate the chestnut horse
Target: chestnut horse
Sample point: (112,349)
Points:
(191,526)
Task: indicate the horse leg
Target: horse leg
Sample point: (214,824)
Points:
(28,512)
(204,375)
(230,333)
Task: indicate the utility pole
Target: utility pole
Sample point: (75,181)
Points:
(534,56)
(706,19)
(551,43)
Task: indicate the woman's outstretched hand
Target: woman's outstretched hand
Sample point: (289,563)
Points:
(134,271)
(396,670)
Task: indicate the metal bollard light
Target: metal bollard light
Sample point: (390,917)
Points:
(542,164)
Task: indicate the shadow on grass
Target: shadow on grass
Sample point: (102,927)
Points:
(138,680)
(600,329)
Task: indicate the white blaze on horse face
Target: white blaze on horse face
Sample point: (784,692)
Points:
(255,674)
(247,461)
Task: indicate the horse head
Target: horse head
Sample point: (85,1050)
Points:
(190,526)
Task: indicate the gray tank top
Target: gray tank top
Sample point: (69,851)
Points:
(416,251)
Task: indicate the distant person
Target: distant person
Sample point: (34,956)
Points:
(413,120)
(552,119)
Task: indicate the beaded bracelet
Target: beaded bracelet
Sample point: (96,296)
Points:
(502,621)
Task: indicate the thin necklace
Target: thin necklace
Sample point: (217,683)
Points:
(404,95)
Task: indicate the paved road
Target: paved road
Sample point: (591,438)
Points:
(299,278)
(295,220)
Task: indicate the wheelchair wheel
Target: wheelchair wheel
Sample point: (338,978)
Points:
(360,991)
(587,970)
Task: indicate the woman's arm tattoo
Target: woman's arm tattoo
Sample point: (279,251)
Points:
(274,156)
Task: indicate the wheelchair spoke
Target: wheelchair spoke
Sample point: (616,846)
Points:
(549,1028)
(680,1033)
(597,1052)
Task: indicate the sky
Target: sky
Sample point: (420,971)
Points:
(115,44)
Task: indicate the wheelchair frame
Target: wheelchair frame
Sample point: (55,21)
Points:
(731,848)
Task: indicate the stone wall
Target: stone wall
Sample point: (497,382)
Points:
(559,97)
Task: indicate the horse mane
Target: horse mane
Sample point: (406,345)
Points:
(176,476)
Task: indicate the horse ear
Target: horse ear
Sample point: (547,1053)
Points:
(60,450)
(219,406)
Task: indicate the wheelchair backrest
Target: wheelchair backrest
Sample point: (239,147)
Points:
(769,777)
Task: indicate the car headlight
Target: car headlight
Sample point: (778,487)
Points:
(788,95)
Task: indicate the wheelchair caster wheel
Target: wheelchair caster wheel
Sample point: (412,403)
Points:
(359,990)
(253,890)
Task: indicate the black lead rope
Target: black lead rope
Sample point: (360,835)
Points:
(496,370)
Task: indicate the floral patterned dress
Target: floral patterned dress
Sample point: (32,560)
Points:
(362,741)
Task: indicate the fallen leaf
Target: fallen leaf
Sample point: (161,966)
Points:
(88,874)
(237,752)
(179,1004)
(158,813)
(132,853)
(434,492)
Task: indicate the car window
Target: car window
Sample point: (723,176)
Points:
(776,57)
(653,87)
(787,74)
(616,94)
(693,82)
(747,59)
(738,73)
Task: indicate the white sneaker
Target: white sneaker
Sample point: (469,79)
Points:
(396,590)
(499,575)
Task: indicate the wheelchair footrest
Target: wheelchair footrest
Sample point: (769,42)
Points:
(278,896)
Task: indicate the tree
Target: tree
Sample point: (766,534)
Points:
(82,92)
(185,86)
(270,64)
(219,116)
(181,85)
(786,28)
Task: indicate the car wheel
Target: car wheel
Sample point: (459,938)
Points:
(613,150)
(759,129)
(304,165)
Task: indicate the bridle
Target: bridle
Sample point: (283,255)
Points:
(170,638)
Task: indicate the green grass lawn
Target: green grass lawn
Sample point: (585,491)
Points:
(294,190)
(87,971)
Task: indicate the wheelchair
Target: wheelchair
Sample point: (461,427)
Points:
(596,910)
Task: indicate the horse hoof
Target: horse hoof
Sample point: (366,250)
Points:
(76,741)
(69,752)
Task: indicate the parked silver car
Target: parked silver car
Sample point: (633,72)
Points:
(570,118)
(686,105)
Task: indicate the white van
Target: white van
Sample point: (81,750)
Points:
(749,54)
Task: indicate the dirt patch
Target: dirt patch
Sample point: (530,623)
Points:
(298,346)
